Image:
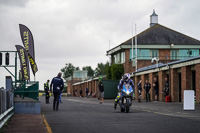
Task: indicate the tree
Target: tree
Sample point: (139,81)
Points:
(77,68)
(117,70)
(101,69)
(68,71)
(90,70)
(108,72)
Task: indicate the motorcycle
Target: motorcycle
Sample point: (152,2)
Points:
(126,98)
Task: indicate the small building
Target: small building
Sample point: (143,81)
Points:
(78,76)
(82,75)
(157,41)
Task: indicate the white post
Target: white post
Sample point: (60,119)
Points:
(135,48)
(132,43)
(109,44)
(109,56)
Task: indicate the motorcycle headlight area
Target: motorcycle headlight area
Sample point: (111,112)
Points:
(128,92)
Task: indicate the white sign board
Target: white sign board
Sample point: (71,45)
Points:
(188,103)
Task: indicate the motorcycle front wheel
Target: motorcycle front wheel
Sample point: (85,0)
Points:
(122,110)
(127,107)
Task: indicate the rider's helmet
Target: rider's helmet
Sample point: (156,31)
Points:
(100,78)
(126,76)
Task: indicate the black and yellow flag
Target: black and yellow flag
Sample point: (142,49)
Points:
(27,39)
(23,56)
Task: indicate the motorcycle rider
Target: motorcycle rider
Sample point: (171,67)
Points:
(139,85)
(125,80)
(147,87)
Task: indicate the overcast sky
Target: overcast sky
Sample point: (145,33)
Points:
(78,31)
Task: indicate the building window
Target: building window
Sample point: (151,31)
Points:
(194,52)
(119,58)
(122,57)
(174,54)
(184,53)
(114,59)
(144,54)
(154,53)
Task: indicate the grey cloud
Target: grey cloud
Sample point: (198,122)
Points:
(20,3)
(78,31)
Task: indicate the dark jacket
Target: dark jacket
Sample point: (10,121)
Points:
(156,85)
(167,88)
(101,86)
(58,84)
(147,87)
(139,86)
(87,90)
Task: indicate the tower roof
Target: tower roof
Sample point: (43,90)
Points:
(161,35)
(154,14)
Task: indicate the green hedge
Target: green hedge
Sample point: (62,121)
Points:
(115,71)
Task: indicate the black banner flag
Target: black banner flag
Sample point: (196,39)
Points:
(27,39)
(23,56)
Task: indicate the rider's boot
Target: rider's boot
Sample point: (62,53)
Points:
(115,105)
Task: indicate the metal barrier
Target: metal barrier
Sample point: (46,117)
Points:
(27,89)
(6,105)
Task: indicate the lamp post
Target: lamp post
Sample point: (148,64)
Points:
(155,59)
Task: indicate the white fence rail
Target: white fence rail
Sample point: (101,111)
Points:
(6,105)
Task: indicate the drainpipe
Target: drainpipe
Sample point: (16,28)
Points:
(169,80)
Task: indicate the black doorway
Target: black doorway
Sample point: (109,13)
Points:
(179,87)
(193,82)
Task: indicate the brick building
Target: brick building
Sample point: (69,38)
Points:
(157,41)
(78,76)
(178,56)
(182,75)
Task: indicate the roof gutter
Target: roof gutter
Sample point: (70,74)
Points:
(114,50)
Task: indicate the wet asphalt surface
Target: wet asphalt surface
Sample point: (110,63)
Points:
(86,115)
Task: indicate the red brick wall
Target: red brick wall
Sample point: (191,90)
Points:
(93,86)
(136,80)
(174,85)
(185,79)
(90,86)
(128,68)
(69,86)
(164,54)
(161,81)
(151,76)
(164,57)
(197,78)
(143,92)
